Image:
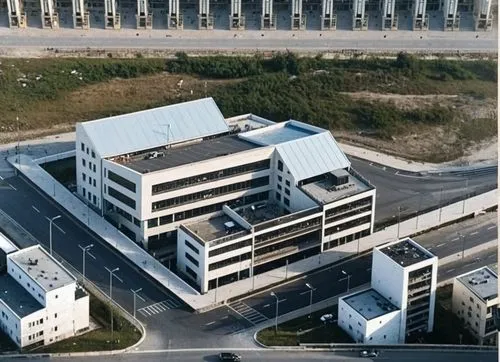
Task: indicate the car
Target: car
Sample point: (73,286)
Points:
(370,353)
(227,356)
(327,318)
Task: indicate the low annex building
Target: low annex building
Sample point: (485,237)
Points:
(224,199)
(475,294)
(40,302)
(401,299)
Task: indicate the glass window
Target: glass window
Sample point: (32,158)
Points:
(83,162)
(191,259)
(94,199)
(83,146)
(94,182)
(280,165)
(280,178)
(153,222)
(93,167)
(84,177)
(278,196)
(286,201)
(287,191)
(83,191)
(93,154)
(279,187)
(192,247)
(287,183)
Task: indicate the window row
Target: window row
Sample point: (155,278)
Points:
(37,322)
(229,261)
(91,180)
(192,247)
(286,231)
(122,181)
(348,225)
(348,207)
(192,260)
(210,176)
(88,195)
(121,197)
(227,249)
(92,166)
(162,220)
(207,194)
(82,147)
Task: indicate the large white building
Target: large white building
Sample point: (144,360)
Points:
(404,277)
(40,302)
(227,198)
(475,294)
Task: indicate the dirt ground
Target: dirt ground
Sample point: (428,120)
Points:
(127,95)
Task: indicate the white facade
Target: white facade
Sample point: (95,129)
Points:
(381,329)
(41,302)
(188,176)
(474,296)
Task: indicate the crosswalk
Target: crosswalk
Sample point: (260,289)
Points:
(159,307)
(248,313)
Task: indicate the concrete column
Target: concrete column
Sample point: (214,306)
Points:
(112,17)
(420,17)
(50,17)
(236,19)
(175,19)
(205,18)
(389,16)
(268,18)
(17,16)
(81,16)
(451,16)
(328,16)
(298,19)
(359,18)
(144,17)
(482,15)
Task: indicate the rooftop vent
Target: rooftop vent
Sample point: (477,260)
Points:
(50,285)
(55,278)
(32,262)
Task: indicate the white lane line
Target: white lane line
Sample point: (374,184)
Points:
(143,313)
(491,227)
(440,245)
(210,323)
(226,317)
(474,233)
(267,305)
(305,292)
(491,256)
(282,300)
(1,178)
(34,208)
(117,277)
(13,187)
(92,256)
(455,239)
(450,270)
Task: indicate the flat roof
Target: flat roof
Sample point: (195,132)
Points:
(482,282)
(42,267)
(6,245)
(370,304)
(193,152)
(213,228)
(279,133)
(16,297)
(406,252)
(324,192)
(260,212)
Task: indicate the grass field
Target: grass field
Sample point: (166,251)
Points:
(50,95)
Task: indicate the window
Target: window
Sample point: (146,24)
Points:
(41,333)
(83,146)
(471,299)
(94,182)
(55,315)
(41,320)
(84,192)
(278,196)
(122,181)
(87,150)
(279,187)
(121,197)
(93,154)
(29,337)
(287,183)
(90,196)
(280,165)
(83,162)
(153,222)
(286,201)
(29,324)
(280,178)
(477,305)
(29,285)
(385,336)
(90,181)
(94,199)
(55,328)
(191,272)
(167,219)
(84,177)
(192,260)
(287,191)
(90,165)
(93,167)
(192,247)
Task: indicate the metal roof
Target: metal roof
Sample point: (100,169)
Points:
(20,301)
(155,127)
(312,156)
(6,245)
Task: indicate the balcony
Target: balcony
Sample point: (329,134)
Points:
(413,291)
(277,254)
(418,296)
(285,219)
(347,213)
(421,278)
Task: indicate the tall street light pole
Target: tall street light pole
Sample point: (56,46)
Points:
(111,275)
(85,251)
(276,316)
(348,277)
(136,295)
(311,289)
(51,221)
(465,196)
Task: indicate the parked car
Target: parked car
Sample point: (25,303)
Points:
(227,356)
(370,353)
(327,318)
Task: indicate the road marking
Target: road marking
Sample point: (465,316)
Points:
(226,317)
(12,187)
(469,264)
(491,256)
(248,313)
(440,245)
(34,208)
(282,300)
(450,270)
(210,323)
(491,227)
(158,308)
(474,233)
(455,239)
(306,292)
(267,305)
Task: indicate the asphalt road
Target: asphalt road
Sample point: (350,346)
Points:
(285,356)
(414,193)
(249,40)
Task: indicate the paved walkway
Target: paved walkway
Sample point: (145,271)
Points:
(155,269)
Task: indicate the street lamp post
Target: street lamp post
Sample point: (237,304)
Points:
(111,274)
(276,316)
(85,251)
(461,236)
(51,221)
(136,295)
(399,218)
(348,277)
(465,196)
(311,289)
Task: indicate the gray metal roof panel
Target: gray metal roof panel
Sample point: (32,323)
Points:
(148,129)
(312,156)
(17,298)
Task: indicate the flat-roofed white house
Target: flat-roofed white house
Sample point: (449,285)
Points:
(40,302)
(223,198)
(475,294)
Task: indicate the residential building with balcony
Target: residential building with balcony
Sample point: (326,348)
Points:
(405,274)
(475,294)
(40,302)
(224,199)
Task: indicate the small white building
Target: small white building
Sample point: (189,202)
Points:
(474,296)
(405,274)
(40,302)
(369,318)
